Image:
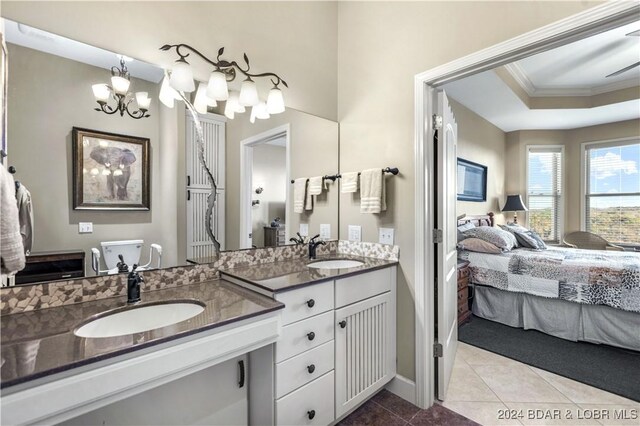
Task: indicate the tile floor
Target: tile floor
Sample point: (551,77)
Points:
(483,383)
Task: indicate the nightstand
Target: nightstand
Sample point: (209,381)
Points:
(463,291)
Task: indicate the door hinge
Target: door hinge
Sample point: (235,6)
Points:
(437,350)
(436,121)
(437,236)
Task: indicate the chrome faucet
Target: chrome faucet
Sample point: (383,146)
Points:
(133,285)
(313,245)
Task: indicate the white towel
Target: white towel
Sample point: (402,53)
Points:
(25,216)
(12,250)
(372,191)
(315,185)
(299,194)
(349,182)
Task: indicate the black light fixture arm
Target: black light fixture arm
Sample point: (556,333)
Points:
(121,107)
(227,67)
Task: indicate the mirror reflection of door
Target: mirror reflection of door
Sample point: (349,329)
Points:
(269,193)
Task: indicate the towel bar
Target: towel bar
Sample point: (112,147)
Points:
(393,170)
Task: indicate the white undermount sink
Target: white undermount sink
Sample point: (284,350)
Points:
(140,318)
(335,264)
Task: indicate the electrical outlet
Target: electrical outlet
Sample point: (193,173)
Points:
(386,236)
(304,229)
(85,227)
(355,233)
(325,231)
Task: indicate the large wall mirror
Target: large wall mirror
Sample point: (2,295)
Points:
(88,172)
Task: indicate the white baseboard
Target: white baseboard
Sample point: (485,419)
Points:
(403,387)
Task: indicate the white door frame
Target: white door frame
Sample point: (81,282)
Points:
(246,175)
(584,24)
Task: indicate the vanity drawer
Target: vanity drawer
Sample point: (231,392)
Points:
(314,400)
(303,368)
(359,287)
(305,302)
(297,338)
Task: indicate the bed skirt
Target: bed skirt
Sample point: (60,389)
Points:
(560,318)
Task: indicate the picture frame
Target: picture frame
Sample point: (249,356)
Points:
(472,181)
(110,171)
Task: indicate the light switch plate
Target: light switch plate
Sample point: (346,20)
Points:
(355,233)
(325,231)
(304,229)
(85,227)
(386,236)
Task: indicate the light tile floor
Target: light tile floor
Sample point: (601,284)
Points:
(483,385)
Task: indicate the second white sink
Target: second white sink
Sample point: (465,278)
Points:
(140,318)
(335,264)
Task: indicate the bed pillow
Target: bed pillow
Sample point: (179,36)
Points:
(502,239)
(478,245)
(525,237)
(462,228)
(513,228)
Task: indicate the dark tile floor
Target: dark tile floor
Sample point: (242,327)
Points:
(387,409)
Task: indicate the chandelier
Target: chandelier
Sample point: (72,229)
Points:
(217,88)
(119,91)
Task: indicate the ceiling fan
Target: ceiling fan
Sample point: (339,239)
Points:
(632,66)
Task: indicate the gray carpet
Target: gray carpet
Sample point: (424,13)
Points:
(605,367)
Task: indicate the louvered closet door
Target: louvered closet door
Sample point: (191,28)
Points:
(198,186)
(365,350)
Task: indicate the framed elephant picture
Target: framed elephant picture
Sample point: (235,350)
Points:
(110,171)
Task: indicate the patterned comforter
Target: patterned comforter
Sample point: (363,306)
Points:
(585,276)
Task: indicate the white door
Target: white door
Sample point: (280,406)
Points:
(446,254)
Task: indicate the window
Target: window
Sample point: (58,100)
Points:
(612,199)
(544,191)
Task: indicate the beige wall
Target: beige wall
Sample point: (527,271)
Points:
(270,174)
(314,152)
(481,142)
(571,140)
(382,45)
(48,95)
(296,40)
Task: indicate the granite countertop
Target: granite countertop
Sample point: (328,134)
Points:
(294,273)
(41,342)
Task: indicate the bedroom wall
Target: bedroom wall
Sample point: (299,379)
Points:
(517,142)
(482,142)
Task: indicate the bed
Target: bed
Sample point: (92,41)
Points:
(579,295)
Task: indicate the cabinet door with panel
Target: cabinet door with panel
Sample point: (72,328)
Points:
(365,349)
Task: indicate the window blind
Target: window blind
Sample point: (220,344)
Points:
(612,199)
(544,192)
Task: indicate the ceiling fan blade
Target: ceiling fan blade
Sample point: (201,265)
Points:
(625,69)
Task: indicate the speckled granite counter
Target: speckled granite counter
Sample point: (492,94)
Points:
(294,273)
(39,343)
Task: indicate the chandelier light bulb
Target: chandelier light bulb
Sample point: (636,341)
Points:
(202,101)
(217,87)
(101,92)
(120,85)
(249,93)
(275,101)
(182,77)
(143,100)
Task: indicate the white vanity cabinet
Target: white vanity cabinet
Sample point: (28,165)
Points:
(337,348)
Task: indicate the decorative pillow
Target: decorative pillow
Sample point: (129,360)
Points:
(514,228)
(525,237)
(462,228)
(502,239)
(481,246)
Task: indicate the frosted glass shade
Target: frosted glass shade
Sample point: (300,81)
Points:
(229,110)
(275,101)
(182,77)
(101,92)
(167,94)
(143,100)
(259,111)
(202,101)
(249,93)
(120,85)
(234,101)
(217,87)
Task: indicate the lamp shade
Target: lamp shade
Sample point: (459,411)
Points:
(167,94)
(182,77)
(249,93)
(217,87)
(202,101)
(275,101)
(143,100)
(514,204)
(120,85)
(101,92)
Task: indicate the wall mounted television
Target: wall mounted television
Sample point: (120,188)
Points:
(472,181)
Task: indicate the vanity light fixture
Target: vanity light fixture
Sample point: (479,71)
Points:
(217,88)
(119,91)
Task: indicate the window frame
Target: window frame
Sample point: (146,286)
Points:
(584,181)
(563,185)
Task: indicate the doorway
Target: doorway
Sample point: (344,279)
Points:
(264,175)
